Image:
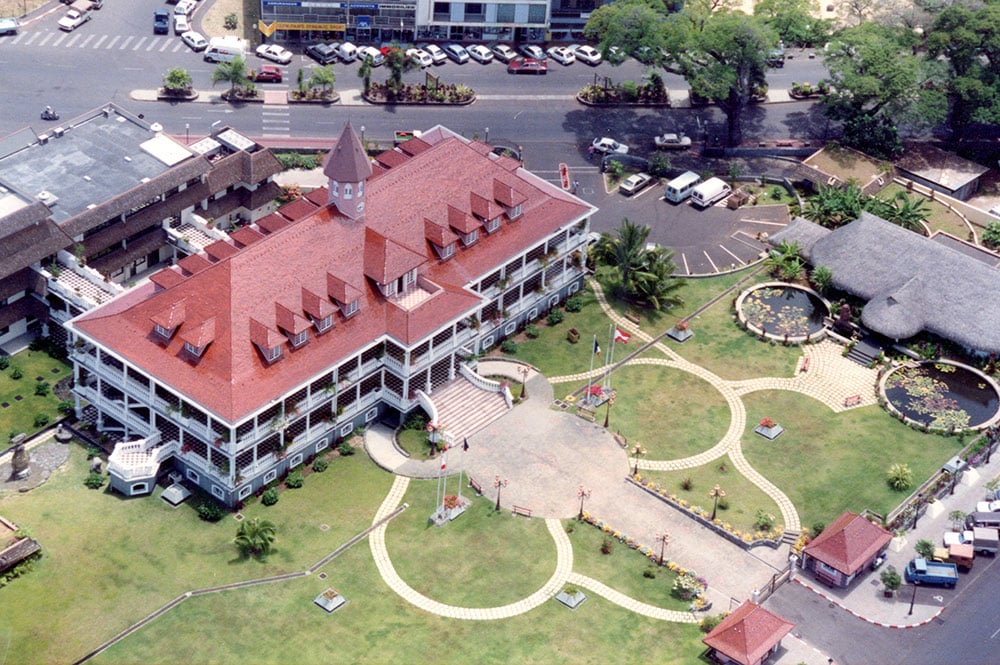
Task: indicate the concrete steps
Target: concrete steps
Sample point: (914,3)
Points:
(464,409)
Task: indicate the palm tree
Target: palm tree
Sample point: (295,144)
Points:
(626,252)
(254,537)
(655,285)
(832,207)
(323,77)
(784,261)
(234,73)
(645,275)
(365,72)
(909,212)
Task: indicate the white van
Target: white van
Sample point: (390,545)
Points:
(226,49)
(709,192)
(348,52)
(681,187)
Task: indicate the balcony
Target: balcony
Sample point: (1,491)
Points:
(84,287)
(194,236)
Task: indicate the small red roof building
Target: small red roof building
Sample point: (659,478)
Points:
(748,635)
(845,548)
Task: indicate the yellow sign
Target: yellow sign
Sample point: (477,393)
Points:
(266,29)
(282,25)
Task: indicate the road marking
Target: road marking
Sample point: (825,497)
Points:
(166,44)
(138,44)
(126,42)
(995,633)
(33,36)
(76,36)
(86,41)
(153,43)
(61,36)
(714,267)
(98,43)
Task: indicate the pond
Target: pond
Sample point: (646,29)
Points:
(942,395)
(784,310)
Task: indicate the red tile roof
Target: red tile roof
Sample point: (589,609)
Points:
(483,207)
(200,334)
(166,278)
(438,234)
(246,236)
(387,260)
(414,146)
(461,221)
(391,158)
(849,543)
(317,306)
(322,254)
(194,263)
(220,250)
(273,222)
(172,316)
(748,633)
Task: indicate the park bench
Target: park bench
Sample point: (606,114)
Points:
(476,487)
(853,400)
(632,315)
(805,364)
(521,510)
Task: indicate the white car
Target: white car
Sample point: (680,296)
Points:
(589,55)
(457,53)
(532,51)
(503,53)
(274,53)
(671,141)
(605,144)
(181,24)
(562,55)
(437,55)
(73,20)
(185,7)
(634,183)
(420,56)
(373,53)
(480,54)
(194,41)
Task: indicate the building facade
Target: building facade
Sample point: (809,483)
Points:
(96,203)
(350,305)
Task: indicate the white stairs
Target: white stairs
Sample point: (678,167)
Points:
(463,408)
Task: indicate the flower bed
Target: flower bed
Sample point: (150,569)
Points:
(628,93)
(444,94)
(745,539)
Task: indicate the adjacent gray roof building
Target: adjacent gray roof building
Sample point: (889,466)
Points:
(910,282)
(941,170)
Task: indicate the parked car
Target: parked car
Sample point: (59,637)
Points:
(185,7)
(324,54)
(562,55)
(437,55)
(605,144)
(194,41)
(480,54)
(634,183)
(457,53)
(181,24)
(161,22)
(420,56)
(528,66)
(9,26)
(266,74)
(503,53)
(532,51)
(670,141)
(74,18)
(589,55)
(274,53)
(373,53)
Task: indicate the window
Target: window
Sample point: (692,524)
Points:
(505,13)
(346,429)
(272,354)
(323,443)
(389,289)
(371,415)
(510,328)
(348,191)
(442,7)
(296,460)
(470,237)
(165,333)
(536,13)
(335,188)
(138,488)
(361,189)
(447,251)
(349,309)
(193,476)
(217,492)
(493,225)
(474,8)
(515,212)
(245,491)
(324,324)
(270,475)
(195,351)
(298,339)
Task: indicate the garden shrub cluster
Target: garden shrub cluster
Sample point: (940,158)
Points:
(210,511)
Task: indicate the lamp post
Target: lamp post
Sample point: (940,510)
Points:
(499,483)
(583,495)
(637,452)
(913,599)
(487,135)
(524,382)
(716,493)
(607,414)
(363,137)
(187,132)
(664,540)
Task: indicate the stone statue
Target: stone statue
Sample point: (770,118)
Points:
(21,463)
(843,325)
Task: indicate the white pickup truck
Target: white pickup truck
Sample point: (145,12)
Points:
(73,19)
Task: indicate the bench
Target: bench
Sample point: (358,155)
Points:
(805,364)
(853,400)
(633,316)
(521,510)
(476,487)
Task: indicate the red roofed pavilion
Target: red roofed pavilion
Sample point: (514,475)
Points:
(748,636)
(845,549)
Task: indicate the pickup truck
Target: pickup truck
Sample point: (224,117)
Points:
(73,19)
(922,571)
(961,555)
(8,26)
(986,540)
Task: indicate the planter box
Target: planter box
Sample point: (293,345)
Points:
(330,600)
(333,99)
(680,335)
(572,602)
(769,433)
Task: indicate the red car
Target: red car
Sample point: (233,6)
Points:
(527,66)
(266,74)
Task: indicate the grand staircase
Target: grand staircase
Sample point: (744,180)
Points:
(463,408)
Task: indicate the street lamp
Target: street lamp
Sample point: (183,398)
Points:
(664,540)
(607,414)
(637,452)
(913,598)
(363,137)
(487,134)
(499,483)
(524,383)
(583,496)
(716,493)
(187,132)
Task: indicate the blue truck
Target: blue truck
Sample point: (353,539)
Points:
(922,571)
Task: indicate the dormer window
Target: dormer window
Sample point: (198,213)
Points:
(361,188)
(165,333)
(349,309)
(273,354)
(389,289)
(335,188)
(493,225)
(348,191)
(514,212)
(324,324)
(195,351)
(447,251)
(298,339)
(470,237)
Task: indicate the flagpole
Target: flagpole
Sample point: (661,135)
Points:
(611,355)
(590,378)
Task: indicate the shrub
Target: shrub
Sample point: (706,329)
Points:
(818,528)
(509,347)
(899,476)
(531,330)
(649,572)
(93,452)
(42,388)
(232,21)
(574,304)
(94,480)
(16,373)
(687,483)
(210,511)
(345,449)
(65,407)
(41,420)
(991,236)
(763,521)
(709,623)
(606,545)
(4,362)
(924,548)
(415,421)
(659,165)
(320,465)
(891,578)
(294,480)
(615,169)
(555,317)
(269,497)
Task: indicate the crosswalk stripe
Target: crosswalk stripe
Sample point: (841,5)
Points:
(114,40)
(73,39)
(59,37)
(138,44)
(98,43)
(84,43)
(33,36)
(166,44)
(126,43)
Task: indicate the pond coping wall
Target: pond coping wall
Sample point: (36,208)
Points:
(791,339)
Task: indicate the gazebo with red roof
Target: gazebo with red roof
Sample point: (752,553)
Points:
(748,636)
(845,549)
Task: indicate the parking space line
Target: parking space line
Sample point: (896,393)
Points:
(714,267)
(726,250)
(687,269)
(114,40)
(126,43)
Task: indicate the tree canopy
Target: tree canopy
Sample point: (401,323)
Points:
(645,274)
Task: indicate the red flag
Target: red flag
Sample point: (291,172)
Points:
(621,336)
(443,465)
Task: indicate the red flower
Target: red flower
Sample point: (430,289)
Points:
(767,423)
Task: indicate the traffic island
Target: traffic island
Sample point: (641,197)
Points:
(187,95)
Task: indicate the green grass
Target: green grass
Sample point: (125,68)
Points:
(744,498)
(414,441)
(622,569)
(940,218)
(827,463)
(672,413)
(476,560)
(109,561)
(20,415)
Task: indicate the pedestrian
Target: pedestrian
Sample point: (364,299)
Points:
(465,445)
(590,153)
(576,185)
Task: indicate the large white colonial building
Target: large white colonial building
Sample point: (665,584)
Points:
(349,305)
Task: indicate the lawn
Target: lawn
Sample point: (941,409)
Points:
(477,560)
(743,497)
(856,447)
(109,561)
(672,413)
(414,441)
(940,218)
(19,415)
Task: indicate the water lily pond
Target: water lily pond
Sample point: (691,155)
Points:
(942,395)
(784,310)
